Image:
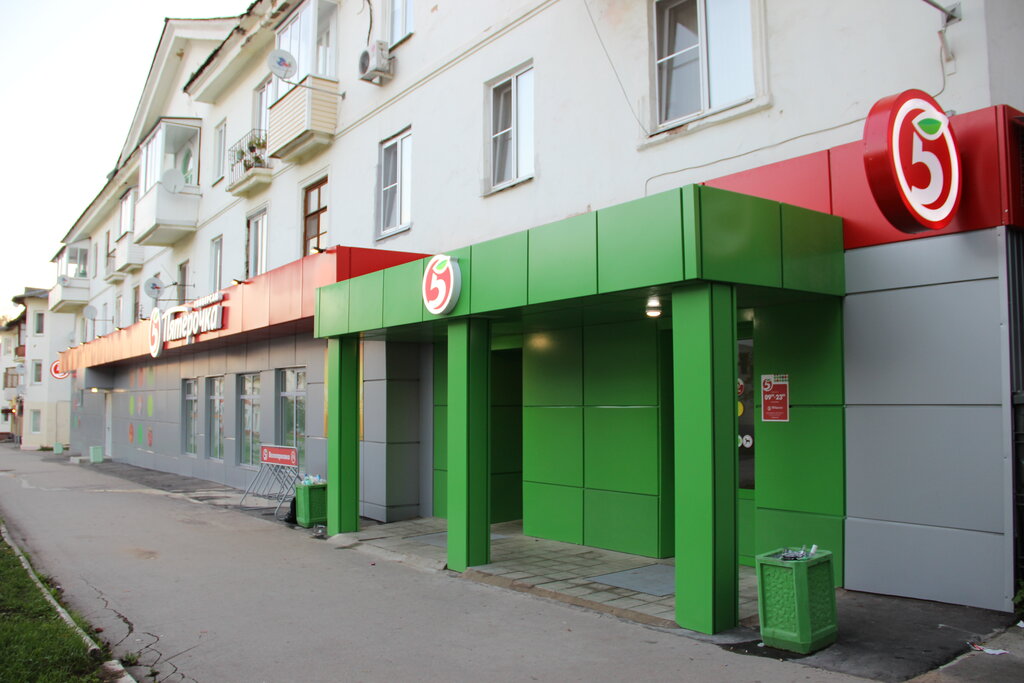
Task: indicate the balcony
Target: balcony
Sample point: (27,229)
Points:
(128,255)
(250,166)
(163,217)
(19,352)
(111,273)
(69,294)
(303,122)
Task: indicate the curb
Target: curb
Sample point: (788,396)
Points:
(112,667)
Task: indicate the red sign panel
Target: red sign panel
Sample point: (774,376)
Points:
(775,398)
(279,455)
(912,162)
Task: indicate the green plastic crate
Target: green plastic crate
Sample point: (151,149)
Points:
(796,601)
(311,504)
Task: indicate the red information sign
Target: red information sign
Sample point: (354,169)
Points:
(775,398)
(279,455)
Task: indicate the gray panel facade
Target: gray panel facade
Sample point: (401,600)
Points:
(926,430)
(148,408)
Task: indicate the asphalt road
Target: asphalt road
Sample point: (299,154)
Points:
(207,593)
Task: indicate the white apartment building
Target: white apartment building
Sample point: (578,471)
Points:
(411,128)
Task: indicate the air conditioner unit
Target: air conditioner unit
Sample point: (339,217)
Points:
(375,63)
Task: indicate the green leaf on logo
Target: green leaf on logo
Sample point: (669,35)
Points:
(929,126)
(440,266)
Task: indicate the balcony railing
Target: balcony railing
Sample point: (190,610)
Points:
(69,294)
(128,256)
(250,163)
(163,217)
(303,122)
(19,351)
(111,273)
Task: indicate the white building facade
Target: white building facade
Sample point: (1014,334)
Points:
(412,128)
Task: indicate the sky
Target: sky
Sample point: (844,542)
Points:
(65,114)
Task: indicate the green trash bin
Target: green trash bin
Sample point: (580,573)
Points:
(58,448)
(310,504)
(796,601)
(95,453)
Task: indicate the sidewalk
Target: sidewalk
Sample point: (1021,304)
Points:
(880,637)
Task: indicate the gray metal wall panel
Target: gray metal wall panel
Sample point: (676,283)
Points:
(316,407)
(375,360)
(282,353)
(949,258)
(311,353)
(375,397)
(257,356)
(926,562)
(929,345)
(316,456)
(936,465)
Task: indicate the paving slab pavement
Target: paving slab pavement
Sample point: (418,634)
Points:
(204,553)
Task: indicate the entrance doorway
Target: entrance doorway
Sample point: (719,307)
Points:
(746,391)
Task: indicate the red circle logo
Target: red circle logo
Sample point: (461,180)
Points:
(156,342)
(912,162)
(57,371)
(442,283)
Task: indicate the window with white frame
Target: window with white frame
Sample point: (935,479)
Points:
(170,146)
(35,421)
(249,419)
(262,98)
(136,312)
(399,19)
(216,263)
(40,323)
(703,56)
(293,411)
(512,129)
(308,34)
(126,220)
(118,311)
(189,415)
(256,244)
(74,262)
(395,183)
(220,149)
(37,372)
(183,283)
(215,417)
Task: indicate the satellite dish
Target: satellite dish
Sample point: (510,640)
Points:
(173,181)
(63,280)
(281,63)
(152,287)
(89,312)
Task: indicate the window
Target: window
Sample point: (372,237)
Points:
(126,222)
(110,253)
(256,244)
(703,56)
(395,183)
(74,262)
(37,372)
(399,19)
(83,330)
(40,322)
(249,416)
(11,379)
(35,421)
(8,345)
(215,417)
(263,97)
(512,129)
(293,411)
(220,149)
(182,282)
(309,36)
(171,145)
(96,260)
(118,311)
(189,415)
(136,314)
(104,318)
(216,263)
(315,218)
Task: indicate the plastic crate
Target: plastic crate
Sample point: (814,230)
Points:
(311,504)
(796,601)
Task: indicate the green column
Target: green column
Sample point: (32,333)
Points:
(343,434)
(469,539)
(704,404)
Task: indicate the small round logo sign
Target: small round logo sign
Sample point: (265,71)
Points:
(156,341)
(912,162)
(442,282)
(57,371)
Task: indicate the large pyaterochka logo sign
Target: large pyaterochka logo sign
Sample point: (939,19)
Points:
(912,162)
(442,283)
(185,322)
